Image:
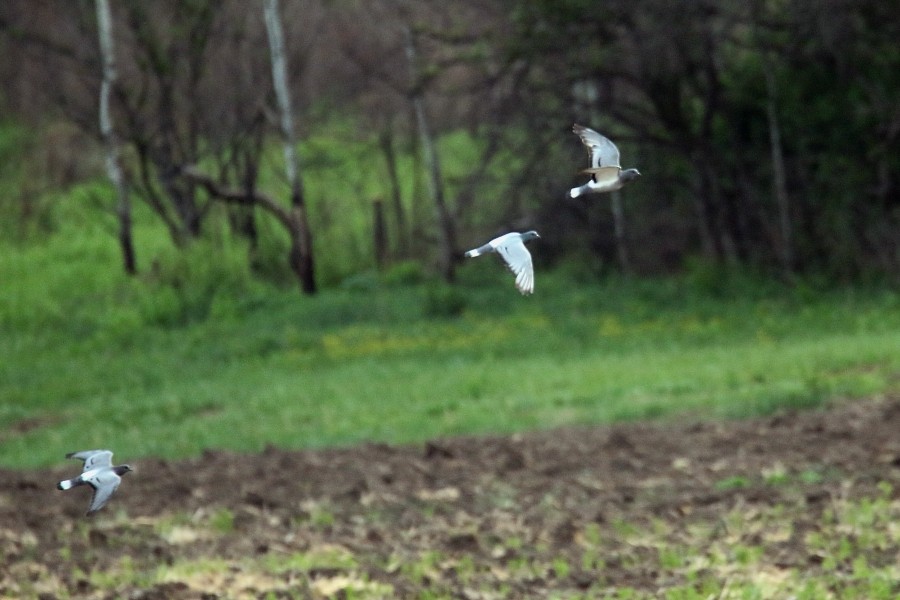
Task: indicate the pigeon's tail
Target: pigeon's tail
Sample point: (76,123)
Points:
(479,251)
(66,484)
(577,191)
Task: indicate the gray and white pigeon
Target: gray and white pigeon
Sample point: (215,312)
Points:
(99,473)
(606,172)
(511,248)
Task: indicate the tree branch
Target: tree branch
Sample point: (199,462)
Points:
(235,195)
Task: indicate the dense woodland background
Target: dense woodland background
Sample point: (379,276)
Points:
(766,132)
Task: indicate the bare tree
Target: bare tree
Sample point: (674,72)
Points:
(779,183)
(386,144)
(113,151)
(618,211)
(163,104)
(432,161)
(301,254)
(591,96)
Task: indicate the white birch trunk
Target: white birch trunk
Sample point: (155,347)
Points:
(113,153)
(282,93)
(301,254)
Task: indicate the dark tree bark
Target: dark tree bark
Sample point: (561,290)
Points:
(446,224)
(386,142)
(379,234)
(159,118)
(618,211)
(779,181)
(250,197)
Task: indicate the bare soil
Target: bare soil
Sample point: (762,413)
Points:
(472,517)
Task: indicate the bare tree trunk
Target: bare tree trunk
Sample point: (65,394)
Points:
(707,213)
(243,218)
(618,211)
(301,252)
(432,162)
(386,140)
(379,235)
(113,160)
(417,209)
(592,96)
(779,182)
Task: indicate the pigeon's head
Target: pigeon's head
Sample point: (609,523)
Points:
(629,175)
(530,235)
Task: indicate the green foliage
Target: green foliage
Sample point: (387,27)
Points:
(731,483)
(222,521)
(16,204)
(192,284)
(366,281)
(720,281)
(407,272)
(442,300)
(560,566)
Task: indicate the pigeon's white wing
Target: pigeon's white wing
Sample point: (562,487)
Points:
(518,259)
(93,459)
(104,485)
(601,151)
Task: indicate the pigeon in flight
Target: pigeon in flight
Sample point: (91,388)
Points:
(99,473)
(511,248)
(606,172)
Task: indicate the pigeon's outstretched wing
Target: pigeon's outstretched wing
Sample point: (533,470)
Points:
(518,259)
(603,155)
(93,459)
(601,151)
(104,484)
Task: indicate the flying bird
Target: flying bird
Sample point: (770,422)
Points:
(606,172)
(511,248)
(99,473)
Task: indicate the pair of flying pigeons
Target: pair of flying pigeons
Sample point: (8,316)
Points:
(607,175)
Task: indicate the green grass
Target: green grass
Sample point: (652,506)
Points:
(196,353)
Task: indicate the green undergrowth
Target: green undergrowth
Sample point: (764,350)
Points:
(196,352)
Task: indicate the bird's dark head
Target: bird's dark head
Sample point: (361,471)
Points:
(122,469)
(530,235)
(629,175)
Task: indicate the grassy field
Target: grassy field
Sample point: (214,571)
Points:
(196,353)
